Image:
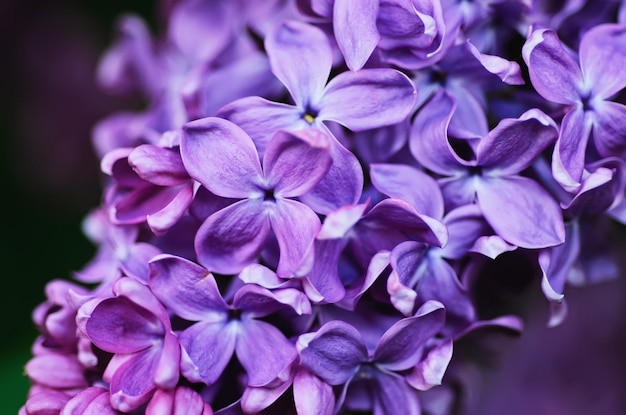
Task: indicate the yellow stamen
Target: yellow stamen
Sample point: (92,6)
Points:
(309,118)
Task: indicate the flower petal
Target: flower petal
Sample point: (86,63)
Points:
(429,372)
(603,58)
(295,226)
(187,289)
(222,157)
(158,165)
(301,57)
(401,346)
(261,118)
(233,237)
(609,132)
(133,381)
(263,351)
(568,159)
(390,98)
(354,24)
(335,353)
(521,211)
(429,135)
(295,162)
(513,145)
(393,396)
(553,72)
(206,350)
(311,395)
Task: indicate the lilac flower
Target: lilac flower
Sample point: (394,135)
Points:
(223,159)
(136,328)
(92,400)
(516,207)
(338,354)
(585,88)
(191,292)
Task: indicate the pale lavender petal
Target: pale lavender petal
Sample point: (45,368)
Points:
(295,226)
(568,159)
(256,399)
(342,185)
(508,71)
(222,157)
(491,246)
(135,264)
(465,224)
(158,165)
(335,353)
(400,348)
(514,144)
(192,22)
(56,371)
(337,223)
(521,211)
(312,396)
(256,301)
(261,118)
(295,162)
(91,401)
(263,351)
(458,191)
(187,289)
(160,222)
(429,372)
(206,350)
(324,276)
(301,57)
(118,325)
(233,237)
(609,129)
(405,260)
(354,24)
(553,72)
(409,184)
(603,58)
(180,401)
(133,381)
(429,136)
(390,98)
(167,371)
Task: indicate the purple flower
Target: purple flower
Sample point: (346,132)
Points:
(516,207)
(585,88)
(223,159)
(402,359)
(191,292)
(136,328)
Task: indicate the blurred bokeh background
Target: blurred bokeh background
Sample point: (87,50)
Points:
(50,180)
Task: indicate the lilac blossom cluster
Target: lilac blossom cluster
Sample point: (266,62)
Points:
(299,219)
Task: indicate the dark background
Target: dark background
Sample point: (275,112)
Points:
(50,180)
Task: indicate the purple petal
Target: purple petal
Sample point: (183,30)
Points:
(311,395)
(609,129)
(458,190)
(513,145)
(429,372)
(508,71)
(261,118)
(222,157)
(603,58)
(324,276)
(295,162)
(342,185)
(337,223)
(256,301)
(394,396)
(233,237)
(568,159)
(390,98)
(160,222)
(295,226)
(56,371)
(335,353)
(465,224)
(375,268)
(91,401)
(207,349)
(133,381)
(179,401)
(167,372)
(553,72)
(410,184)
(263,351)
(135,264)
(354,24)
(194,21)
(158,165)
(187,289)
(305,76)
(400,348)
(429,136)
(521,211)
(118,325)
(256,399)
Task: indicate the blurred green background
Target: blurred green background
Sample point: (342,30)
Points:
(50,176)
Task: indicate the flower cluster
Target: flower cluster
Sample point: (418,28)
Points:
(302,218)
